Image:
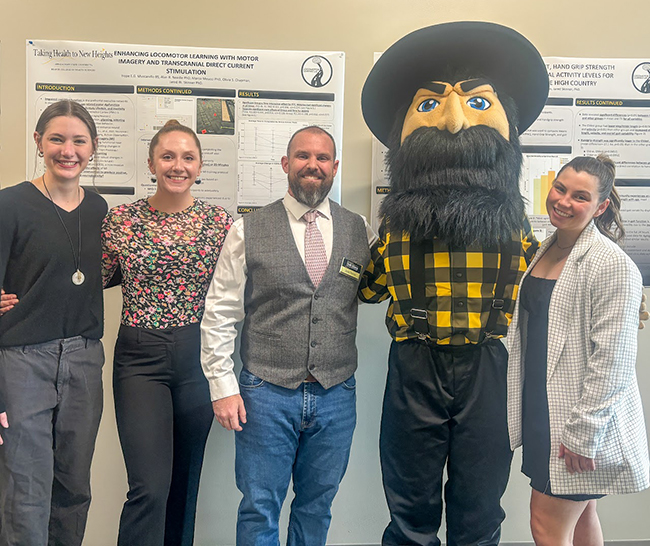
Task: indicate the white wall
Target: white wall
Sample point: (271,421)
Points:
(359,27)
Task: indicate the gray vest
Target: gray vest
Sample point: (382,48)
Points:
(292,329)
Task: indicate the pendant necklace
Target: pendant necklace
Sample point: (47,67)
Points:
(78,277)
(562,255)
(564,247)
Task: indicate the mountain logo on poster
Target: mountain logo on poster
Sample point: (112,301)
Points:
(316,71)
(641,77)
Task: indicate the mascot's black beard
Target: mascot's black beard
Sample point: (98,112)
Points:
(462,188)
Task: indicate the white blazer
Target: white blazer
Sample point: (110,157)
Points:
(593,397)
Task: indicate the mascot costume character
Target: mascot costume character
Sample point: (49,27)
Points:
(450,101)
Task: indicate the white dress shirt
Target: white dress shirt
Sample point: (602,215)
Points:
(224,303)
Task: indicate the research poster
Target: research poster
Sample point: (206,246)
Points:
(243,104)
(594,106)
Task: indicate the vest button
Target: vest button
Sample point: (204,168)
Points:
(313,344)
(316,296)
(314,320)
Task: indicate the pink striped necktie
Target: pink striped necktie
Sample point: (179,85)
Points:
(315,256)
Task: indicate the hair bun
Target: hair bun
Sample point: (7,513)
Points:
(171,123)
(607,162)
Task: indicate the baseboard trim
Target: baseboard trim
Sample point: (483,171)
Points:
(644,542)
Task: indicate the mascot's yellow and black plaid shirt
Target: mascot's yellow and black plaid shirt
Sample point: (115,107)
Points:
(460,287)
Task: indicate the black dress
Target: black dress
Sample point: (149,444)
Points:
(535,297)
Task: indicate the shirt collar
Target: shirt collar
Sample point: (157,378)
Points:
(297,209)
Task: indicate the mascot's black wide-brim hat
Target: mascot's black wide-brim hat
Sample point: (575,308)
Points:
(495,52)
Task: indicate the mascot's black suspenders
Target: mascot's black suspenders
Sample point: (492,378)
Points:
(505,276)
(418,289)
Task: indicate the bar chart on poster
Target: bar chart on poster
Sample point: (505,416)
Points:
(538,173)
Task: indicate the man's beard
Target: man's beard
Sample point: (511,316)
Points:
(311,195)
(462,189)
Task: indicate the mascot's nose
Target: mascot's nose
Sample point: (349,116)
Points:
(452,117)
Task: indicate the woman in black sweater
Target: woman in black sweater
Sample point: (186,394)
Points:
(51,356)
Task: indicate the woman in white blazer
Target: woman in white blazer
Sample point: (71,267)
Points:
(573,399)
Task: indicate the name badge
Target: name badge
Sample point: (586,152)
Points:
(350,269)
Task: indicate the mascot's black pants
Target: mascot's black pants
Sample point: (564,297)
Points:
(445,405)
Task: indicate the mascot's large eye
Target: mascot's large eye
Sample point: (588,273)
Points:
(428,105)
(479,103)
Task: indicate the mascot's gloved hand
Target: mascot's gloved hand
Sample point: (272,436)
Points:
(643,313)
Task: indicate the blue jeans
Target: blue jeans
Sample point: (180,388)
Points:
(304,434)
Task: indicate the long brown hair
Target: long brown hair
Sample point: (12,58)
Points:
(609,223)
(67,108)
(71,109)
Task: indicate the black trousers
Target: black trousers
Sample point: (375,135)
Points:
(445,406)
(164,414)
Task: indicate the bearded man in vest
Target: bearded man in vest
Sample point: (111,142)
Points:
(291,272)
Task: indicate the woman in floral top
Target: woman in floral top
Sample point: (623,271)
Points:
(167,247)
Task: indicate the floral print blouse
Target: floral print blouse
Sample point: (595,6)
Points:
(167,260)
